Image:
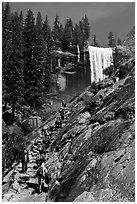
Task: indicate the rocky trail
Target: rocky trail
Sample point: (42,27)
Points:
(25,186)
(92,157)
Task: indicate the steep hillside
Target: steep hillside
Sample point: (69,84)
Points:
(96,147)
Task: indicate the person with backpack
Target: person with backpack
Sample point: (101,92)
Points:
(61,111)
(41,173)
(58,123)
(24,160)
(63,103)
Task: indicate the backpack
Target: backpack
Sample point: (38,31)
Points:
(47,178)
(40,171)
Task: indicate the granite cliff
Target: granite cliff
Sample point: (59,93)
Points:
(96,146)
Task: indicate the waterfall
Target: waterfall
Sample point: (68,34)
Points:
(100,58)
(58,62)
(78,53)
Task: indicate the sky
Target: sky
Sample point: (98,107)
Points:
(118,17)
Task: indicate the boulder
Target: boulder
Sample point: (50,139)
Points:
(24,177)
(16,187)
(82,119)
(7,196)
(85,197)
(32,183)
(92,164)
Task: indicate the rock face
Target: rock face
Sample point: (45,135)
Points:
(96,147)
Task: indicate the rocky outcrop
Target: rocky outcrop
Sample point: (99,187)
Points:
(96,147)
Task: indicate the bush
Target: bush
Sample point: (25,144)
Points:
(8,118)
(90,104)
(26,128)
(109,71)
(13,148)
(122,72)
(94,88)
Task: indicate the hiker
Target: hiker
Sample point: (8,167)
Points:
(40,159)
(58,123)
(61,111)
(51,128)
(40,149)
(47,133)
(46,143)
(42,131)
(63,103)
(25,160)
(41,173)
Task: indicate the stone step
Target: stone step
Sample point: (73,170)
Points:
(32,181)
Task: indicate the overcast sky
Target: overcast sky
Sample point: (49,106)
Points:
(118,17)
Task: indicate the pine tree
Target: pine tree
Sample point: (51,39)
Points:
(68,32)
(6,30)
(21,18)
(56,29)
(86,28)
(61,32)
(47,33)
(84,33)
(13,65)
(112,42)
(6,47)
(76,35)
(95,41)
(119,41)
(41,59)
(39,24)
(82,38)
(29,39)
(3,18)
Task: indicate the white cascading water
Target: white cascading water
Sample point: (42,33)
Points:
(100,58)
(58,62)
(78,53)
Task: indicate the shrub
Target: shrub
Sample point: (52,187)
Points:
(94,88)
(13,148)
(122,72)
(109,71)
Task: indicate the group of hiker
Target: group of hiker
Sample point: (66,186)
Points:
(42,172)
(48,129)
